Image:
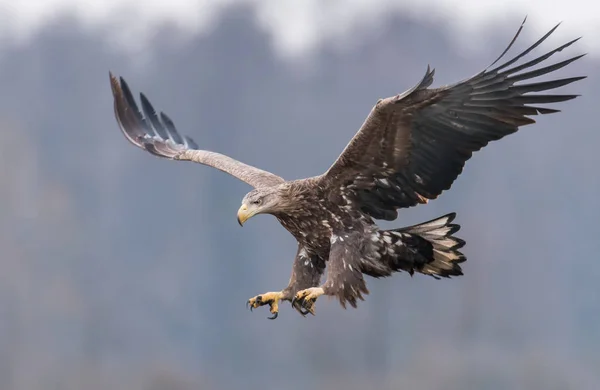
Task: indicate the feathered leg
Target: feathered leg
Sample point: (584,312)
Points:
(344,275)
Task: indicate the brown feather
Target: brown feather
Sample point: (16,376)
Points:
(413,146)
(159,137)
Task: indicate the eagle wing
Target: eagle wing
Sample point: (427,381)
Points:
(159,137)
(413,146)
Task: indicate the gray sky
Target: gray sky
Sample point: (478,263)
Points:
(124,271)
(297,26)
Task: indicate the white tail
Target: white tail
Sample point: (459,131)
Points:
(446,256)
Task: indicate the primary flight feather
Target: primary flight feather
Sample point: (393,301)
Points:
(409,150)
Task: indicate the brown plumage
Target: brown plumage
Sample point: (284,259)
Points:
(410,149)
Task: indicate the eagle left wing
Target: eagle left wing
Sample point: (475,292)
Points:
(413,146)
(159,137)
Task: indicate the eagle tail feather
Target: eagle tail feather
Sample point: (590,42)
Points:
(441,249)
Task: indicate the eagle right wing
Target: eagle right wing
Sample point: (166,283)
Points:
(159,137)
(413,146)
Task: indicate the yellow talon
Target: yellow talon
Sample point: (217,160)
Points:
(271,298)
(307,298)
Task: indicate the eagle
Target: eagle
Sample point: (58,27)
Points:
(411,148)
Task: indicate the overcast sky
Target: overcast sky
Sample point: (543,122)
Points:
(299,25)
(123,271)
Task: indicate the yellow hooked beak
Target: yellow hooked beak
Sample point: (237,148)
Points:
(243,215)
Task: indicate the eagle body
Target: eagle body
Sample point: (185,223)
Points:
(410,149)
(320,224)
(314,217)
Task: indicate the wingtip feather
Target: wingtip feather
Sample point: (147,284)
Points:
(114,85)
(146,131)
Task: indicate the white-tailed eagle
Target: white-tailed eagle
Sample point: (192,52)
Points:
(410,149)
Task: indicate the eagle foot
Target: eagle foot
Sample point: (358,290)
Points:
(271,298)
(306,299)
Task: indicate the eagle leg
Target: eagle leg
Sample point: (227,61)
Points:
(344,276)
(271,298)
(305,299)
(306,272)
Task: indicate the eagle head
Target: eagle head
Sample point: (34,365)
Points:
(259,201)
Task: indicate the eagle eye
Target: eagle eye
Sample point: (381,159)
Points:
(256,202)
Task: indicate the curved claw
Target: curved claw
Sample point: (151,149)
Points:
(271,298)
(306,299)
(251,304)
(304,312)
(297,304)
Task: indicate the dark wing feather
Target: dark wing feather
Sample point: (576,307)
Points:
(146,133)
(413,146)
(158,135)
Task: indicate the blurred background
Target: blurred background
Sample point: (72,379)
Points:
(120,270)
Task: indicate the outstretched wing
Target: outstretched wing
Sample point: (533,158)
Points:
(413,146)
(160,137)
